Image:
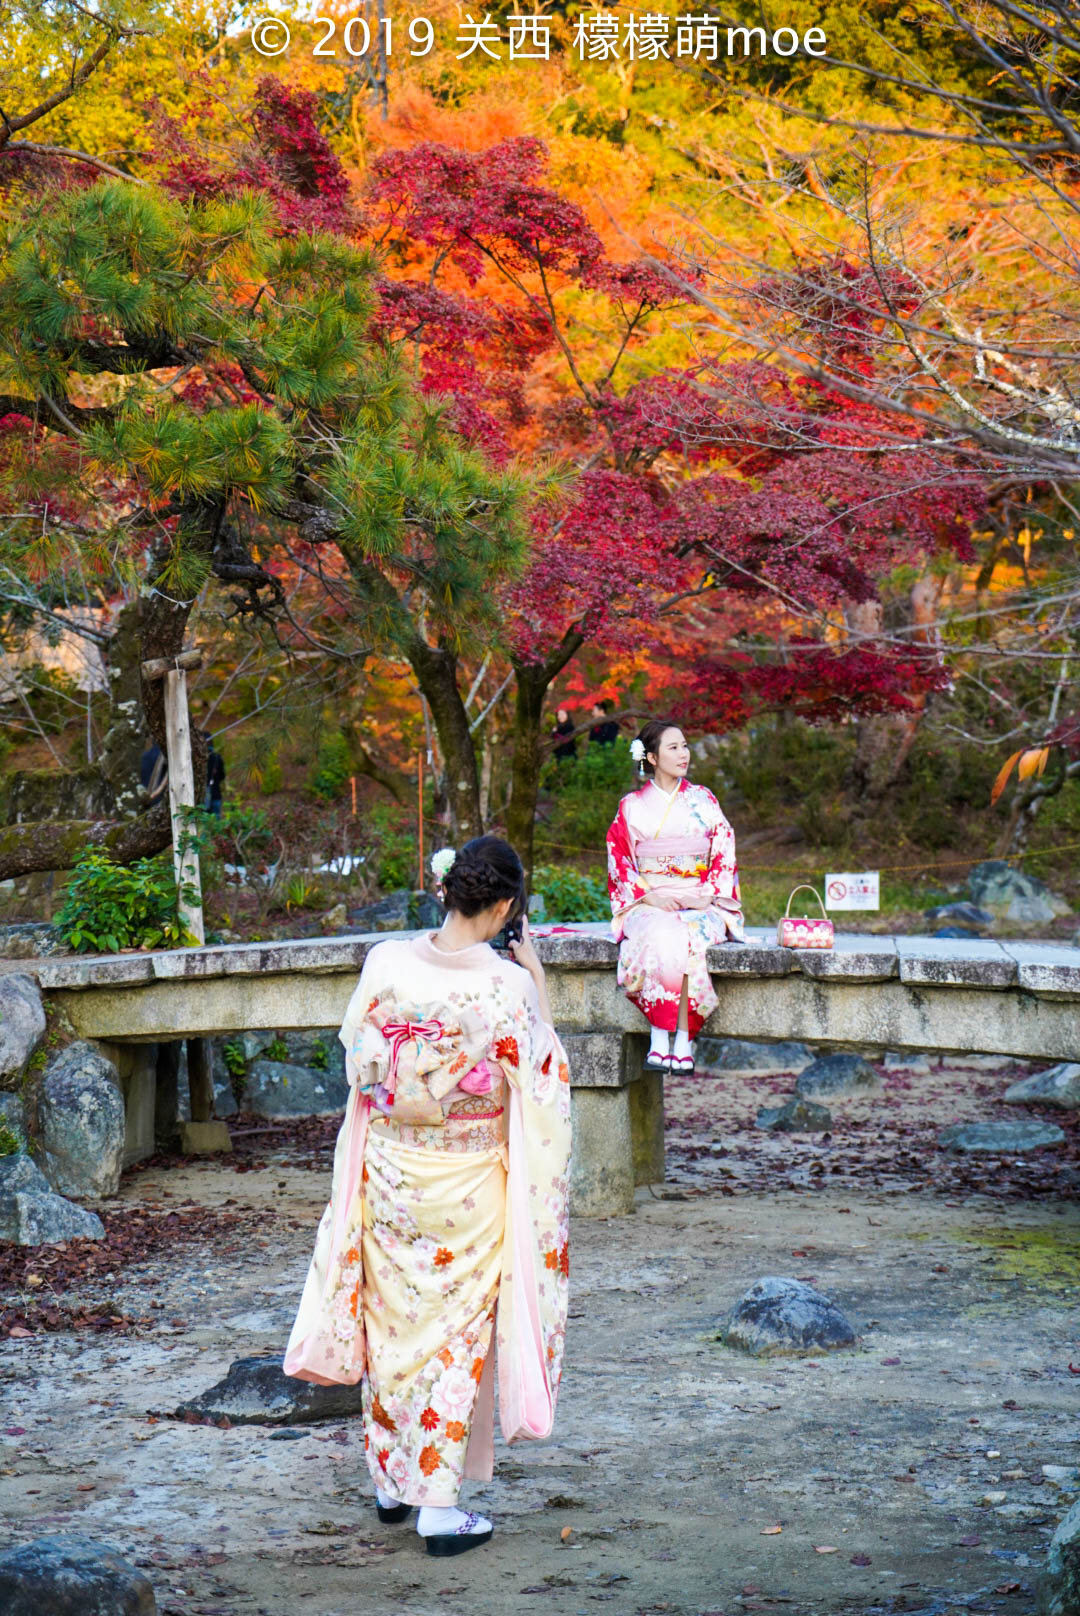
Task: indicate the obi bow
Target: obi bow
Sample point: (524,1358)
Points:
(400,1033)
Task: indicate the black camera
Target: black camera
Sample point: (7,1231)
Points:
(511,933)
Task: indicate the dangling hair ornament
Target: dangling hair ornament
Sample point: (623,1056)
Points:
(442,863)
(637,753)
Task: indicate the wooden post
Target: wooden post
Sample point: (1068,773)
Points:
(200,1073)
(181,779)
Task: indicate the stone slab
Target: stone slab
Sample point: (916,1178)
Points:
(954,962)
(204,1138)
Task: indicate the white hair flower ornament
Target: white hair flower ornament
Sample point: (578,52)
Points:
(442,862)
(637,751)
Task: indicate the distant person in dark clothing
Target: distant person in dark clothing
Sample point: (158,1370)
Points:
(153,771)
(605,730)
(564,725)
(215,776)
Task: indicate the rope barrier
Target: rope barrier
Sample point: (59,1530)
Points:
(883,869)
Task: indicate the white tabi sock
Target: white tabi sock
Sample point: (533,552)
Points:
(432,1522)
(386,1500)
(658,1043)
(682,1046)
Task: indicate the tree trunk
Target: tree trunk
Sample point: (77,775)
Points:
(58,844)
(436,669)
(529,695)
(127,736)
(532,682)
(884,740)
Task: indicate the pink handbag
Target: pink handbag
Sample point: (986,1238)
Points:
(800,931)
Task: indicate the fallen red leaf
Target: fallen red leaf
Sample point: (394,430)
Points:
(860,1560)
(970,1542)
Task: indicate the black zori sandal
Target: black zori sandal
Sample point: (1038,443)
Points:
(393,1513)
(459,1542)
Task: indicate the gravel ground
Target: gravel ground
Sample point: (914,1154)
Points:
(674,1460)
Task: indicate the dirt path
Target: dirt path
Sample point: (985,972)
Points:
(674,1460)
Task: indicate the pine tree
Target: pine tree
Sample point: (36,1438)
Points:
(196,395)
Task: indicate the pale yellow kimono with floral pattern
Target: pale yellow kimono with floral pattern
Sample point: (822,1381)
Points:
(448,1218)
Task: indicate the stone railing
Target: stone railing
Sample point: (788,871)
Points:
(868,993)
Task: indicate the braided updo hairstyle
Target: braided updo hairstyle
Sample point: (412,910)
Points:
(485,871)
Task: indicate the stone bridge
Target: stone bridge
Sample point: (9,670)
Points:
(869,994)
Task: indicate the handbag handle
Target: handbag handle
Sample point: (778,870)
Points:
(805,888)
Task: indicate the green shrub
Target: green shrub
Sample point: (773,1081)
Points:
(11,1141)
(569,895)
(320,1055)
(393,844)
(277,1049)
(332,768)
(110,906)
(235,1059)
(584,793)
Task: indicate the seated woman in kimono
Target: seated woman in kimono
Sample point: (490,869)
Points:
(674,888)
(449,1201)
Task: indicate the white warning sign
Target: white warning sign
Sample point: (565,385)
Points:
(853,890)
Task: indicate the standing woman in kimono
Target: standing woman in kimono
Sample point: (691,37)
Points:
(447,1228)
(674,888)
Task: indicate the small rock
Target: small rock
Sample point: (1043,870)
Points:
(779,1315)
(72,1576)
(81,1111)
(257,1391)
(1059,1085)
(19,1172)
(1065,1477)
(743,1055)
(796,1116)
(335,919)
(22,1024)
(1011,894)
(30,1219)
(278,1089)
(1057,1592)
(837,1074)
(990,1499)
(999,1138)
(967,919)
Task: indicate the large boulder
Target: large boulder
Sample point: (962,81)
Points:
(785,1316)
(22,1025)
(29,1219)
(279,1089)
(81,1117)
(999,1138)
(401,911)
(962,919)
(1057,1591)
(257,1391)
(742,1055)
(1013,895)
(72,1576)
(837,1074)
(796,1116)
(30,939)
(1059,1085)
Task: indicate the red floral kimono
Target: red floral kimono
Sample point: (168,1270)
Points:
(680,842)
